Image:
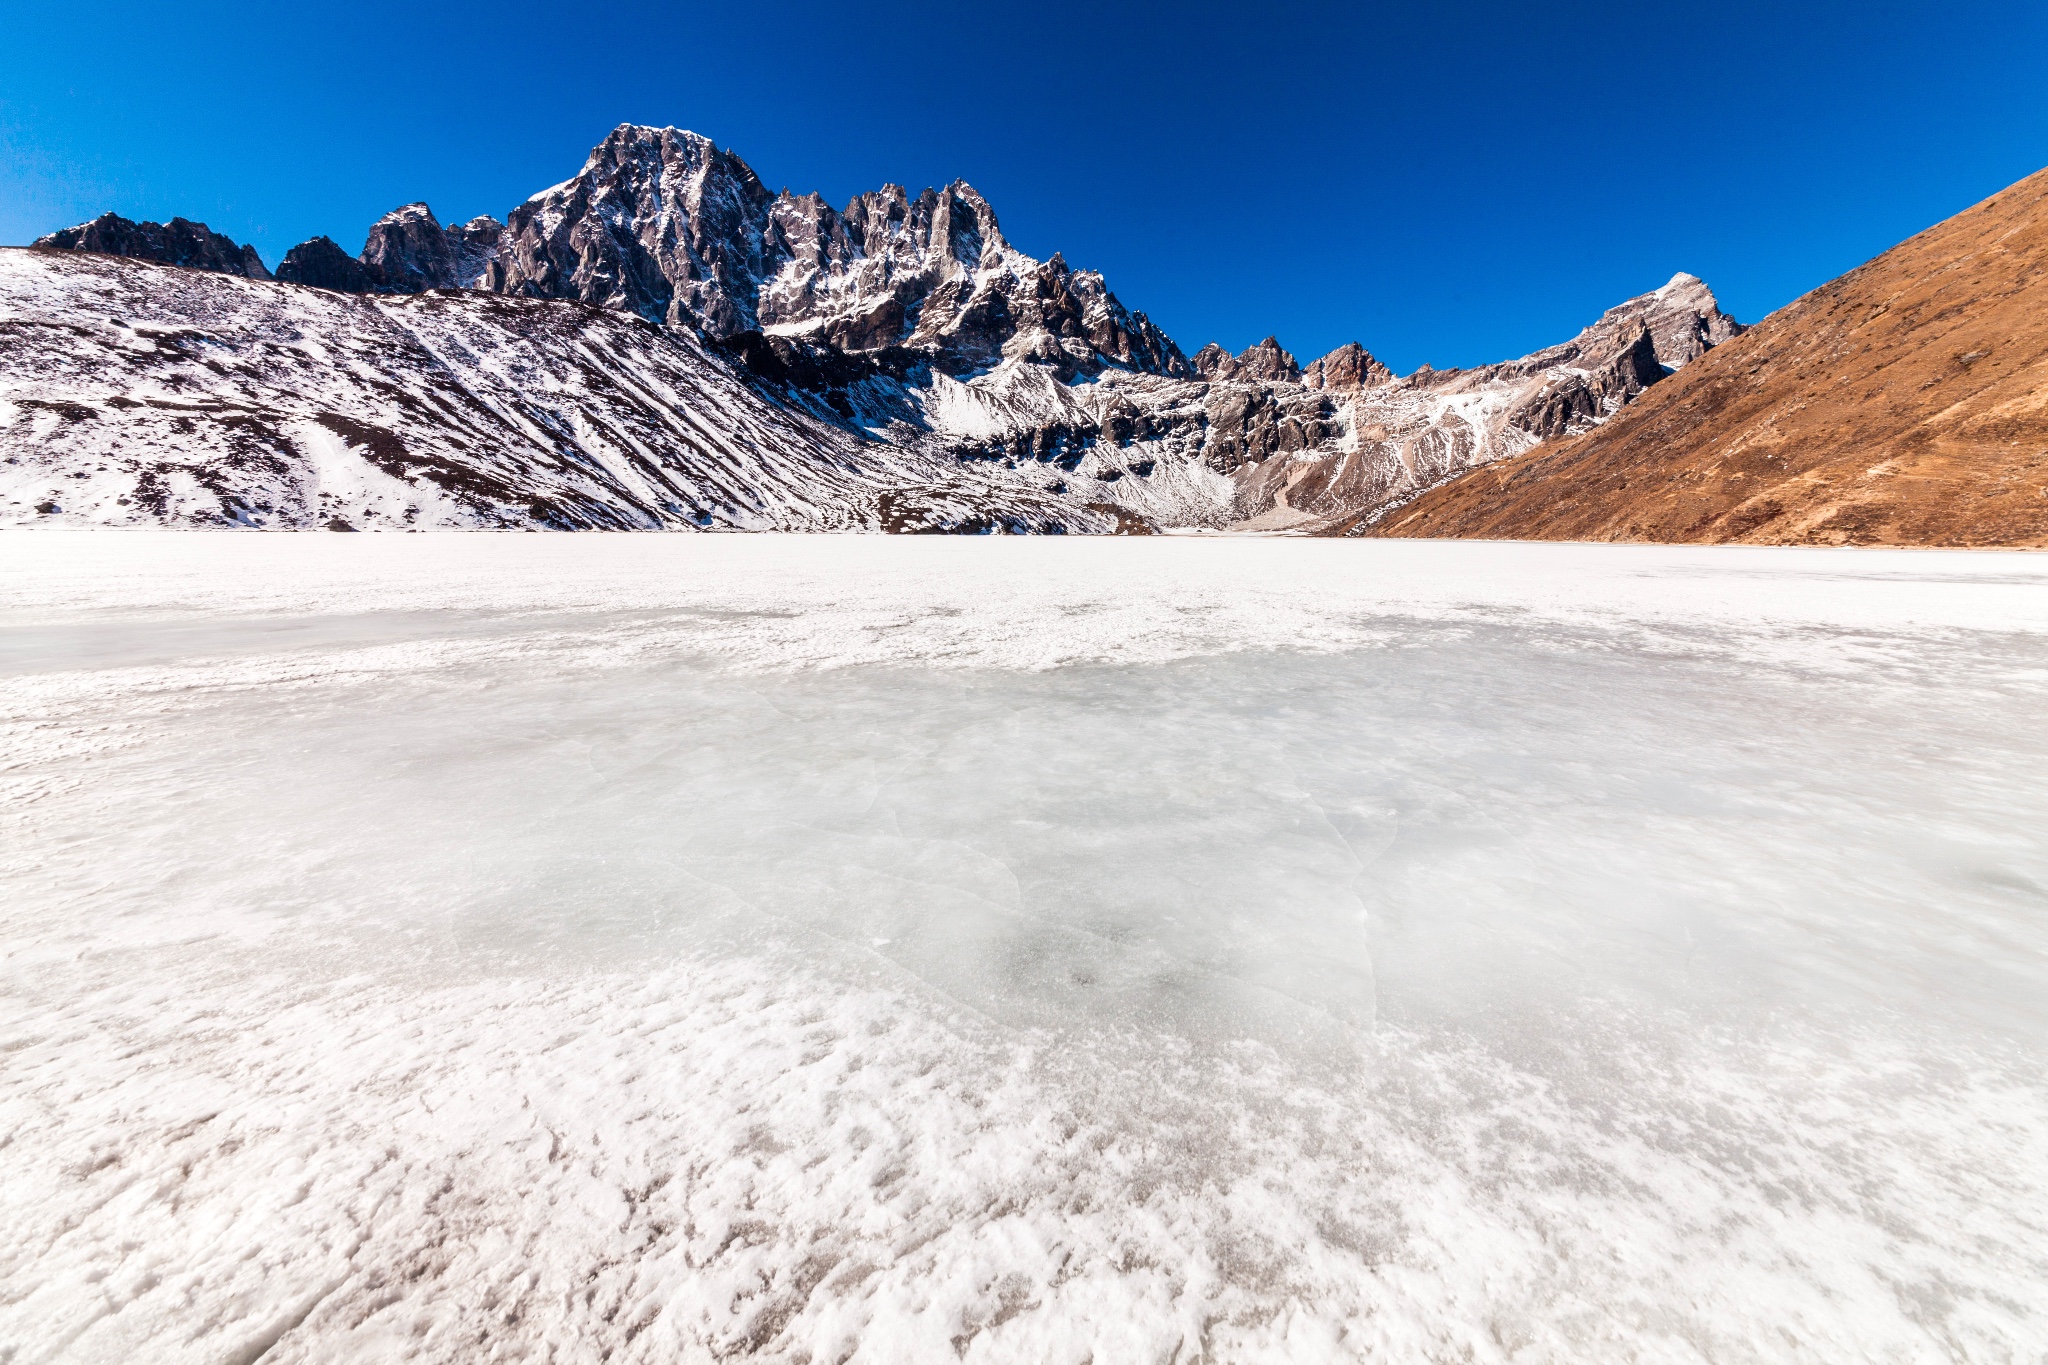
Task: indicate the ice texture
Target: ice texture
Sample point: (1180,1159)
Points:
(454,948)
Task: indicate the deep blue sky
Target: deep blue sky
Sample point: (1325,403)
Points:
(1445,183)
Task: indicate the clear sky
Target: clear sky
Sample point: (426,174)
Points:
(1451,183)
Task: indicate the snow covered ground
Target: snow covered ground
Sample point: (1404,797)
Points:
(570,948)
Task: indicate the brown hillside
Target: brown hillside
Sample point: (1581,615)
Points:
(1905,403)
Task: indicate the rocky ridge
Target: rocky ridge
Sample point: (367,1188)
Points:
(661,222)
(178,242)
(911,322)
(410,252)
(1328,448)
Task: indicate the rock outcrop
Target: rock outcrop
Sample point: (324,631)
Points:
(1347,369)
(1265,361)
(409,252)
(178,242)
(322,264)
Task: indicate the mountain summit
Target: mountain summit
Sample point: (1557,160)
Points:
(662,223)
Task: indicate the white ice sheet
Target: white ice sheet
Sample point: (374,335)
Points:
(529,947)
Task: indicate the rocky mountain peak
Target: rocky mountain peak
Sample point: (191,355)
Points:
(1682,319)
(1685,319)
(661,223)
(658,222)
(409,251)
(1350,367)
(1266,362)
(178,242)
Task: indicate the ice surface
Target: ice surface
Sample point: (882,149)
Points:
(568,948)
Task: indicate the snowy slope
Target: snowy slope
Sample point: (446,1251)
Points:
(139,394)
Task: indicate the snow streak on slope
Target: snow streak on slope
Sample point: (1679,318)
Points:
(138,394)
(634,948)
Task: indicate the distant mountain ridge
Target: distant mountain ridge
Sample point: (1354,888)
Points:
(904,321)
(1905,403)
(177,242)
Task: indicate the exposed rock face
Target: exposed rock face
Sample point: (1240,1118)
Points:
(472,249)
(662,223)
(322,264)
(1250,423)
(658,222)
(1905,403)
(1265,361)
(1347,369)
(1586,393)
(1682,319)
(409,252)
(178,242)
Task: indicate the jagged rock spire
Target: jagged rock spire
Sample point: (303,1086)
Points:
(1266,361)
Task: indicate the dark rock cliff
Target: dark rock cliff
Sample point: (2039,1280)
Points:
(178,242)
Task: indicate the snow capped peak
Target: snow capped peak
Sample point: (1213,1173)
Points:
(416,211)
(661,223)
(647,133)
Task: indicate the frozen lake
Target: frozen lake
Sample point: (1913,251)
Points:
(452,948)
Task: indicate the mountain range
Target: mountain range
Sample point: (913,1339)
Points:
(661,342)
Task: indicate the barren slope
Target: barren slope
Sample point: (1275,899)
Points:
(1905,403)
